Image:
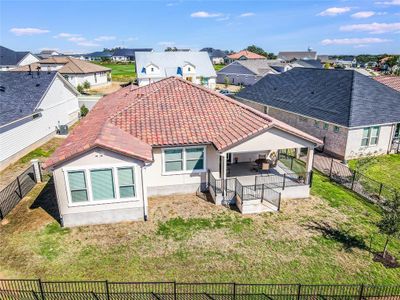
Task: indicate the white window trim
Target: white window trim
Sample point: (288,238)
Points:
(91,201)
(370,136)
(184,171)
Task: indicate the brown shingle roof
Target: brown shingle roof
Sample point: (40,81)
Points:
(170,112)
(247,54)
(391,81)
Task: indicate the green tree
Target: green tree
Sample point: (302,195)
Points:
(86,85)
(389,225)
(260,51)
(84,110)
(80,88)
(226,81)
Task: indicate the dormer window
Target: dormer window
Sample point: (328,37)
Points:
(189,69)
(152,69)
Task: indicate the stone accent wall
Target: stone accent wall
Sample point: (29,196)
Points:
(335,142)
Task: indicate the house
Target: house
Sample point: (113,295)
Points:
(244,55)
(245,72)
(96,56)
(192,66)
(354,114)
(48,53)
(391,81)
(32,106)
(307,63)
(10,59)
(326,59)
(217,56)
(171,136)
(76,71)
(124,54)
(346,61)
(289,56)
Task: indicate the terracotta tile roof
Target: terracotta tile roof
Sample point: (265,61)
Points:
(170,112)
(247,54)
(390,81)
(71,65)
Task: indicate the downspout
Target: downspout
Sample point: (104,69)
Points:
(393,128)
(143,196)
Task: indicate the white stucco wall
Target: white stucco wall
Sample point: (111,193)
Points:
(28,59)
(114,210)
(95,79)
(60,106)
(354,148)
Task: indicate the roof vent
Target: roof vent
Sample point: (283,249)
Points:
(2,88)
(37,84)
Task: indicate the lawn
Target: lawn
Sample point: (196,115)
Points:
(120,72)
(219,67)
(384,168)
(325,239)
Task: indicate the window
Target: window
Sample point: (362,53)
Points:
(370,136)
(152,69)
(173,160)
(326,126)
(266,110)
(303,119)
(336,129)
(126,182)
(189,69)
(102,184)
(184,159)
(77,186)
(316,124)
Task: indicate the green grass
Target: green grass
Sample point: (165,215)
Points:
(219,67)
(325,239)
(120,72)
(385,168)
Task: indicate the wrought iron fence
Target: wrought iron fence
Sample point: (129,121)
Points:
(12,194)
(284,180)
(105,290)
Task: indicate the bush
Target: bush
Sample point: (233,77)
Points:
(84,110)
(86,85)
(80,88)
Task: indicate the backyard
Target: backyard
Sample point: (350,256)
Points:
(325,239)
(121,72)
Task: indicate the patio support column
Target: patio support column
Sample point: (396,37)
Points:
(224,172)
(309,162)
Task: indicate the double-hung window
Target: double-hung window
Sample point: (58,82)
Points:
(126,182)
(370,136)
(184,159)
(78,186)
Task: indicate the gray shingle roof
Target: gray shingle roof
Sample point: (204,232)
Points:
(214,53)
(22,93)
(10,57)
(290,55)
(255,66)
(343,97)
(130,52)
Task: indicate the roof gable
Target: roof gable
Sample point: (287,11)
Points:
(10,57)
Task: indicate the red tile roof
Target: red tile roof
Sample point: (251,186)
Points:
(247,54)
(390,81)
(170,112)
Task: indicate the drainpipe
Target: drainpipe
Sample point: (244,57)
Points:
(144,195)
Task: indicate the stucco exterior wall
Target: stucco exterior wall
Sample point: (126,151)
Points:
(28,59)
(95,79)
(115,210)
(354,148)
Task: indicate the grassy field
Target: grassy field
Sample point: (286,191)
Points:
(219,67)
(325,239)
(385,168)
(120,72)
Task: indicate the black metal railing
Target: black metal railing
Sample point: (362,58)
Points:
(105,290)
(12,194)
(284,180)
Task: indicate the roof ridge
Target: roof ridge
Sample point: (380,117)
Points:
(351,98)
(74,62)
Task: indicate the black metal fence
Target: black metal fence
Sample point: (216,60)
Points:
(369,188)
(105,290)
(16,190)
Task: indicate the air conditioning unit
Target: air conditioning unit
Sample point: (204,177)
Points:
(63,130)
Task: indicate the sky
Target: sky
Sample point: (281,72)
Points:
(327,26)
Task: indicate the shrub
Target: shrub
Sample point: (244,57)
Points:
(84,110)
(86,85)
(80,88)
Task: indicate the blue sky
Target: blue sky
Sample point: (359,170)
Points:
(330,27)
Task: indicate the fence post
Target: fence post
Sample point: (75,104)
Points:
(354,178)
(107,290)
(174,290)
(360,297)
(380,189)
(311,174)
(298,291)
(279,202)
(19,187)
(234,290)
(284,181)
(262,192)
(41,289)
(330,169)
(36,170)
(291,163)
(35,296)
(1,215)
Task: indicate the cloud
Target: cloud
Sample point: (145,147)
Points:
(363,14)
(105,38)
(28,31)
(79,39)
(204,14)
(353,41)
(247,14)
(391,2)
(76,39)
(166,44)
(88,44)
(375,28)
(334,11)
(66,35)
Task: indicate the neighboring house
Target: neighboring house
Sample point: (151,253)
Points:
(125,54)
(48,53)
(289,56)
(76,71)
(245,72)
(308,63)
(391,81)
(10,59)
(347,61)
(192,66)
(168,137)
(244,55)
(354,114)
(96,56)
(217,56)
(326,59)
(32,106)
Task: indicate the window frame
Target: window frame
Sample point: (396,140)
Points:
(184,171)
(370,137)
(87,169)
(336,129)
(325,126)
(69,187)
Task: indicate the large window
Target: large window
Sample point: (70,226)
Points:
(101,185)
(370,136)
(77,186)
(184,159)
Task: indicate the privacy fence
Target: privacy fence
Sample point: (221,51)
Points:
(105,290)
(16,190)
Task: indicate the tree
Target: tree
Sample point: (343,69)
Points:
(260,51)
(80,88)
(226,81)
(86,85)
(389,225)
(171,49)
(84,110)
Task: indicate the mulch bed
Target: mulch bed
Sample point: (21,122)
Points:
(389,261)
